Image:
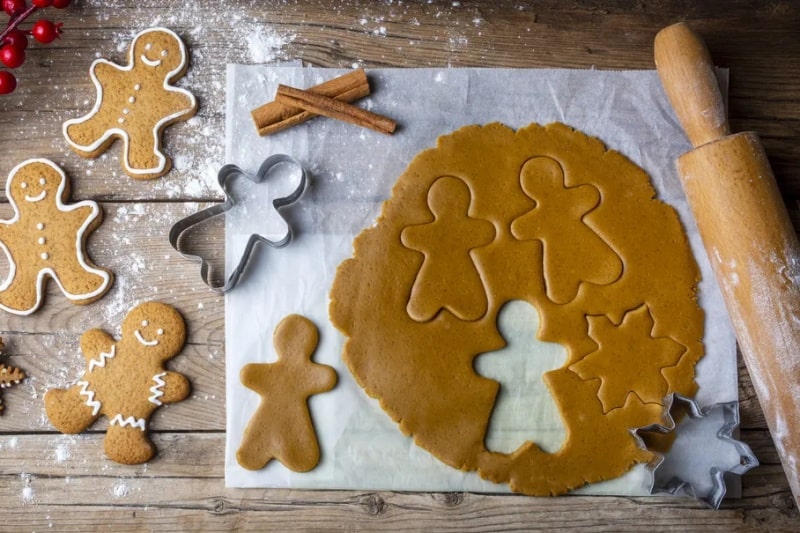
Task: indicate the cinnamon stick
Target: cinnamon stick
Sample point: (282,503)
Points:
(275,116)
(332,108)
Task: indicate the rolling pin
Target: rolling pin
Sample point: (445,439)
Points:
(747,233)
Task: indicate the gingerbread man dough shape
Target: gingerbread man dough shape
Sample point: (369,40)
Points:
(124,380)
(282,428)
(448,278)
(135,103)
(46,238)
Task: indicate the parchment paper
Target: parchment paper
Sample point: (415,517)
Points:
(352,172)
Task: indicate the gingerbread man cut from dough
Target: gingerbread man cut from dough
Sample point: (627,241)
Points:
(281,427)
(574,251)
(125,381)
(46,239)
(135,103)
(448,278)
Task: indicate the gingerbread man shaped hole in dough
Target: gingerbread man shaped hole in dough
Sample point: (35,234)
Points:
(124,380)
(135,103)
(46,238)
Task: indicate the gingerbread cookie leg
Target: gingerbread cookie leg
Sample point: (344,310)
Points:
(87,282)
(23,294)
(143,153)
(72,410)
(127,442)
(83,136)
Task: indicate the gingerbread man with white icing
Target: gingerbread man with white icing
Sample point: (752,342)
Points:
(125,381)
(135,102)
(46,238)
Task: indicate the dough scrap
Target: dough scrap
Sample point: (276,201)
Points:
(422,372)
(281,427)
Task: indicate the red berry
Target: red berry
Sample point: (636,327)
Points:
(45,31)
(7,82)
(17,39)
(41,3)
(11,56)
(14,7)
(60,4)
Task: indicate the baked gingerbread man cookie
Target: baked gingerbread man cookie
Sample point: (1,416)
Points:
(46,238)
(135,103)
(281,427)
(124,380)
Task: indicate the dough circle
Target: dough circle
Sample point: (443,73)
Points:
(639,293)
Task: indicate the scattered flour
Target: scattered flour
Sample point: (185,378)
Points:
(120,490)
(62,453)
(28,494)
(265,45)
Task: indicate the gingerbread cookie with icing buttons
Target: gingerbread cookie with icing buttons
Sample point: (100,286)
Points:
(135,103)
(125,380)
(46,239)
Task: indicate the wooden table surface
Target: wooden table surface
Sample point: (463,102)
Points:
(57,482)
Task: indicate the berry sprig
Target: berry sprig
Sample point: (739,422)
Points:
(14,41)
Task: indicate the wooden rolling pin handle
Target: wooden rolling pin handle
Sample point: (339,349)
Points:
(687,73)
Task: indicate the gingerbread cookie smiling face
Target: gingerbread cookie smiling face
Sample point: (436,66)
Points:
(46,237)
(135,103)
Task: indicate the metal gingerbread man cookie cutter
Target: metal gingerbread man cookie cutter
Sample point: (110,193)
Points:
(225,177)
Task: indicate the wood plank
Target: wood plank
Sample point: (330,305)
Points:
(548,34)
(194,503)
(73,456)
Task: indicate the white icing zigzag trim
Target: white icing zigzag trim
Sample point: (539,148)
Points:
(130,421)
(156,389)
(90,401)
(101,361)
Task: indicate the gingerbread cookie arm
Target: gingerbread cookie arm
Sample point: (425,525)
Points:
(97,347)
(168,387)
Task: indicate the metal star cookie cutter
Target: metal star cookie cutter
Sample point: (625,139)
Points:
(664,482)
(225,177)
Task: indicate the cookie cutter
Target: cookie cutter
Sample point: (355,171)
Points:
(225,177)
(677,485)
